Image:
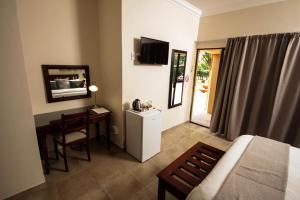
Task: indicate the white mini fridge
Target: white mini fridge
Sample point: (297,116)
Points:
(143,133)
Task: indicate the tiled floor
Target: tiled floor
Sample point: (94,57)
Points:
(199,112)
(113,174)
(202,119)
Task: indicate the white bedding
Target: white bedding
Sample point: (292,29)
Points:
(212,183)
(68,92)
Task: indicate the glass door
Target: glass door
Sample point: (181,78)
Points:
(205,82)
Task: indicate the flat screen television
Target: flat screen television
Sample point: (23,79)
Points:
(154,51)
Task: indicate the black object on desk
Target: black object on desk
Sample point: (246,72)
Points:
(47,123)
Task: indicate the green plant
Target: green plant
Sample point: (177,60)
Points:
(204,65)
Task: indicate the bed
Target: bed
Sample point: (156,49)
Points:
(210,186)
(253,168)
(68,92)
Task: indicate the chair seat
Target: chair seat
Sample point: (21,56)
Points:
(71,137)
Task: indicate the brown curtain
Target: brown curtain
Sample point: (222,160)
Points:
(258,89)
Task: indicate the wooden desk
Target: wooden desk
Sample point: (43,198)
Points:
(46,124)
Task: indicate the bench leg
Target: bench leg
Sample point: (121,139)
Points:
(161,191)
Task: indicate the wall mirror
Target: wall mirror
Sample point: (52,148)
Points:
(178,64)
(66,82)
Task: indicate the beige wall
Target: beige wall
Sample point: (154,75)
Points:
(163,20)
(212,44)
(272,18)
(213,77)
(20,166)
(110,58)
(57,32)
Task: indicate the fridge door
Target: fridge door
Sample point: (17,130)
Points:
(151,135)
(134,134)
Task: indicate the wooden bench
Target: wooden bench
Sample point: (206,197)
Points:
(188,171)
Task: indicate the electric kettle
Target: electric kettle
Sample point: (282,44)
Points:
(136,105)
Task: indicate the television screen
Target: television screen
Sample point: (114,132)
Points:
(154,51)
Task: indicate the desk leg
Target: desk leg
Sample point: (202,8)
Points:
(47,165)
(98,131)
(44,151)
(107,132)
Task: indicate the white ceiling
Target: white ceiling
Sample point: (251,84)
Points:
(213,7)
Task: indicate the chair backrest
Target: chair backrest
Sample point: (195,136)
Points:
(75,122)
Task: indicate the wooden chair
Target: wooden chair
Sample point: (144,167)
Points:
(74,129)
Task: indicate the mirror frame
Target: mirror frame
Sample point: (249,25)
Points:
(170,104)
(50,99)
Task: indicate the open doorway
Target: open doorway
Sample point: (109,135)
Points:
(205,83)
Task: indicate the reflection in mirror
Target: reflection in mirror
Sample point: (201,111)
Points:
(66,82)
(178,64)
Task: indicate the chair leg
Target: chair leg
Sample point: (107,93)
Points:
(65,158)
(88,150)
(56,150)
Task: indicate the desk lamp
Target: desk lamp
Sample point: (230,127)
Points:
(94,89)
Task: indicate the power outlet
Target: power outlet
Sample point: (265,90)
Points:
(115,130)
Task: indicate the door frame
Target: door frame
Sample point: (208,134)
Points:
(195,74)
